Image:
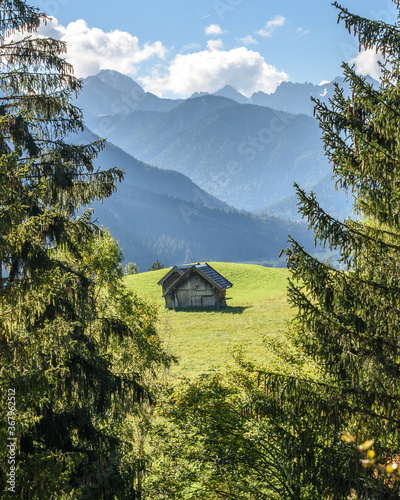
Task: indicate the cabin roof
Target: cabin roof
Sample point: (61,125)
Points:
(171,271)
(205,270)
(215,276)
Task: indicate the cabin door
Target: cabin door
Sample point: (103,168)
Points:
(208,300)
(196,301)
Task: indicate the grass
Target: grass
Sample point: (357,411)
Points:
(201,339)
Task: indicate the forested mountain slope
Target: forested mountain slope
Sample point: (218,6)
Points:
(160,214)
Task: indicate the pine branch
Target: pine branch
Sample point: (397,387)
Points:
(371,34)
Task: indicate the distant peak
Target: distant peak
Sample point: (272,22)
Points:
(231,93)
(119,81)
(230,88)
(109,72)
(198,94)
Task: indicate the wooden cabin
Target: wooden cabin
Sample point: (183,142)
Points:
(194,286)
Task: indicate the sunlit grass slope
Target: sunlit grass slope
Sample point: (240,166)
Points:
(256,306)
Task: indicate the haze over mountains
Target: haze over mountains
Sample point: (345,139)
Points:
(235,152)
(205,158)
(161,214)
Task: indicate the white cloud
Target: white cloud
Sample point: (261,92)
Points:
(323,82)
(213,29)
(210,70)
(275,22)
(367,63)
(248,40)
(91,49)
(215,44)
(302,32)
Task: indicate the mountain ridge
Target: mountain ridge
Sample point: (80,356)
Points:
(233,151)
(161,214)
(202,159)
(292,97)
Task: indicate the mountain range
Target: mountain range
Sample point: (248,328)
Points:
(206,163)
(112,93)
(162,214)
(290,97)
(247,155)
(235,152)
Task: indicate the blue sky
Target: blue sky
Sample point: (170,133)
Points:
(174,48)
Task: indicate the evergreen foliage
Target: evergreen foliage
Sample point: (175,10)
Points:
(156,266)
(260,433)
(77,350)
(348,322)
(131,268)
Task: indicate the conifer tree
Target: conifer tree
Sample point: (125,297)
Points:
(156,266)
(348,320)
(72,356)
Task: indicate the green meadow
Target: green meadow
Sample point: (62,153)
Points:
(256,308)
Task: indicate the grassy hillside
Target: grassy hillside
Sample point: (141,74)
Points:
(201,339)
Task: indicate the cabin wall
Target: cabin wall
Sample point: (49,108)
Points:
(169,301)
(195,292)
(168,282)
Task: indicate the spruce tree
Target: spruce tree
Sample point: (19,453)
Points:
(74,345)
(348,320)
